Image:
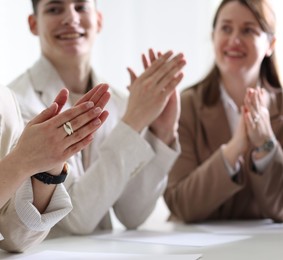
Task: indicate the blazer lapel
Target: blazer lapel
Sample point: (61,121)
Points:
(215,125)
(46,81)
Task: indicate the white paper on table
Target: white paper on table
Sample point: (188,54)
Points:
(172,238)
(60,255)
(250,227)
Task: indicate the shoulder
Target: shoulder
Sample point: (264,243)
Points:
(192,96)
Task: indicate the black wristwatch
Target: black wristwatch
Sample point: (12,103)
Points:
(267,146)
(48,178)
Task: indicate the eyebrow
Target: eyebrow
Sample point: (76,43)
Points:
(246,23)
(61,1)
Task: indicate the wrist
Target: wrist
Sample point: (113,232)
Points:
(232,153)
(167,137)
(265,148)
(48,178)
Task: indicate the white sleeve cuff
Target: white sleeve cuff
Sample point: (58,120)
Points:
(262,163)
(59,206)
(232,171)
(1,237)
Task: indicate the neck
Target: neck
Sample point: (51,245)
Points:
(236,87)
(75,74)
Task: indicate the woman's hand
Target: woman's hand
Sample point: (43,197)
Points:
(257,118)
(45,145)
(238,144)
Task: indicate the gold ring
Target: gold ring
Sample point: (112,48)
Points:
(68,128)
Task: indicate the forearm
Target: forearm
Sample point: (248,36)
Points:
(12,176)
(143,190)
(203,189)
(97,189)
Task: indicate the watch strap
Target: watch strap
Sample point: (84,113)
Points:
(267,146)
(48,178)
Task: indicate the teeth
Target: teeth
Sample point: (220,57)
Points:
(70,36)
(235,53)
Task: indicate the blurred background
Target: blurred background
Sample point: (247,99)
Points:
(130,27)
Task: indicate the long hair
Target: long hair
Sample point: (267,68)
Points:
(265,16)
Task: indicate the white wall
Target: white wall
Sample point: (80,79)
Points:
(130,28)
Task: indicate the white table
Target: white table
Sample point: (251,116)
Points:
(262,245)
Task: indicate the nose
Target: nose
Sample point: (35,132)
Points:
(71,16)
(235,38)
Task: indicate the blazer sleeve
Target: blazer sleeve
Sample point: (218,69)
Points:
(22,226)
(144,188)
(267,185)
(121,156)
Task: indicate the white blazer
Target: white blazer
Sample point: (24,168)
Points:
(128,171)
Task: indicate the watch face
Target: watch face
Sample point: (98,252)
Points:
(268,146)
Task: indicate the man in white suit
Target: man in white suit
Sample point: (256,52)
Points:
(126,167)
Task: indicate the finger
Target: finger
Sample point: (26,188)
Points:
(168,73)
(103,100)
(101,90)
(132,75)
(145,62)
(61,99)
(88,95)
(70,114)
(103,116)
(151,56)
(80,121)
(156,65)
(171,86)
(45,114)
(80,140)
(249,120)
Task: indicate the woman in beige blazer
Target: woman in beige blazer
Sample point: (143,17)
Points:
(231,125)
(28,206)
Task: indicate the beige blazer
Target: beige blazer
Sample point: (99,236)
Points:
(199,186)
(21,225)
(128,172)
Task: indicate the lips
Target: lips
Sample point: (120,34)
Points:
(69,35)
(234,54)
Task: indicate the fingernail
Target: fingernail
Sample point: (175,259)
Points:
(89,104)
(97,121)
(98,110)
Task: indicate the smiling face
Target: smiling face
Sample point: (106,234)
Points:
(239,42)
(66,28)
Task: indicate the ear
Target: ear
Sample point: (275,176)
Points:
(271,46)
(33,24)
(99,21)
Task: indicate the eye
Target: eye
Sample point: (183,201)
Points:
(54,10)
(249,30)
(226,28)
(82,8)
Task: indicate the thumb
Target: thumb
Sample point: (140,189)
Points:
(61,99)
(45,114)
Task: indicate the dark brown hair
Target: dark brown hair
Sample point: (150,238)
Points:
(35,4)
(265,16)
